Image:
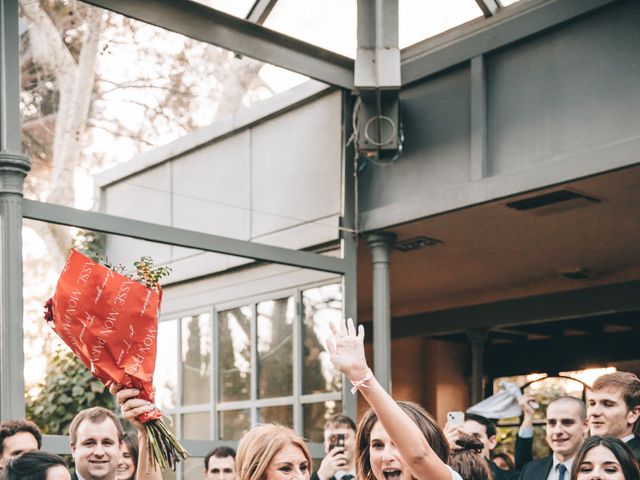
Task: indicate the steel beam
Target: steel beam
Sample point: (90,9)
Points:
(261,10)
(378,58)
(488,7)
(206,24)
(479,167)
(13,170)
(153,232)
(588,302)
(479,37)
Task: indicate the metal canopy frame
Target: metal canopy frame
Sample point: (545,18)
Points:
(154,232)
(247,37)
(206,24)
(488,7)
(260,11)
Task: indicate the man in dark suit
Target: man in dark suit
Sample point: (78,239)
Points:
(614,408)
(566,430)
(340,461)
(96,437)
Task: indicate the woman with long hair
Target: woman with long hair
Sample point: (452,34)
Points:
(272,452)
(128,464)
(395,440)
(36,465)
(605,458)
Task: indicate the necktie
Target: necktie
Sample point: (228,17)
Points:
(561,471)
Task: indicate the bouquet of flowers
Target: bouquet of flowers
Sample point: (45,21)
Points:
(109,318)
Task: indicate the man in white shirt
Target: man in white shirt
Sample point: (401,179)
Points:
(567,428)
(614,408)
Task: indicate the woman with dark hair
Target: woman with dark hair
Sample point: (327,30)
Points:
(467,459)
(394,440)
(128,463)
(36,465)
(605,458)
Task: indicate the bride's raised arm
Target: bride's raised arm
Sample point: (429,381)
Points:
(346,349)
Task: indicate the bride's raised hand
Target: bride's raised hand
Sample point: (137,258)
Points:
(346,349)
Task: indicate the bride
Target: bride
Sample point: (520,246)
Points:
(395,440)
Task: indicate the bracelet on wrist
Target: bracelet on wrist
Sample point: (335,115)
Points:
(362,383)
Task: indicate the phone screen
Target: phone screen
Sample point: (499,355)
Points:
(336,440)
(455,419)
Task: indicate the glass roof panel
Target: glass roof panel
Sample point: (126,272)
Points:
(237,8)
(330,24)
(144,87)
(504,3)
(420,19)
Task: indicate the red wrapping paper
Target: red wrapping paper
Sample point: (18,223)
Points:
(110,322)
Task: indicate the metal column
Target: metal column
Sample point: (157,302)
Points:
(381,244)
(477,339)
(13,169)
(349,239)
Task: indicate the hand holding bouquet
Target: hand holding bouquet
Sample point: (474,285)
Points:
(109,318)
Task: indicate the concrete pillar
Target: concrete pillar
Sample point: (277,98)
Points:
(13,169)
(477,339)
(381,244)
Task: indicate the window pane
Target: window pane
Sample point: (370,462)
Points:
(309,20)
(166,373)
(315,415)
(196,426)
(235,354)
(233,423)
(237,8)
(420,20)
(193,468)
(196,359)
(275,347)
(282,414)
(321,306)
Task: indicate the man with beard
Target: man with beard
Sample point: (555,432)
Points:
(566,430)
(614,408)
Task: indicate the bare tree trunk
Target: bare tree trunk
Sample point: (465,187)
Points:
(75,83)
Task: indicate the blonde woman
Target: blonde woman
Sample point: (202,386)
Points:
(272,452)
(395,441)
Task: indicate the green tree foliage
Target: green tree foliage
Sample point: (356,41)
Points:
(68,388)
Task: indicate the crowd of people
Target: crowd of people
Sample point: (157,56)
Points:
(394,440)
